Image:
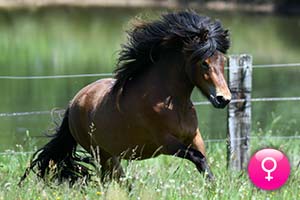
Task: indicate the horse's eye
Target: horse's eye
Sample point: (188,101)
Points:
(205,65)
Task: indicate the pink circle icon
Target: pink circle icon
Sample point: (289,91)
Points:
(269,169)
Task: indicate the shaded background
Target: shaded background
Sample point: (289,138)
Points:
(66,40)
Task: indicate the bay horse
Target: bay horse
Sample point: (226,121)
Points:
(146,109)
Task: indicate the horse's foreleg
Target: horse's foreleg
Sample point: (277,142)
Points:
(172,146)
(199,145)
(198,142)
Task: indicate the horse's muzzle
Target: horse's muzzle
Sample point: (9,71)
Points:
(218,101)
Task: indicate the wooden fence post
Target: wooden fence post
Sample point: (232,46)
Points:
(239,112)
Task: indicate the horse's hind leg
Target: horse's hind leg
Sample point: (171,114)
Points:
(116,169)
(110,166)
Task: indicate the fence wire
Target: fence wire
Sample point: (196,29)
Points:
(277,65)
(17,114)
(47,112)
(56,76)
(197,103)
(111,74)
(262,99)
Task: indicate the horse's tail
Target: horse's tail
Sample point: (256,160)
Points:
(58,158)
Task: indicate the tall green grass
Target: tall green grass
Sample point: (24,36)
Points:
(164,177)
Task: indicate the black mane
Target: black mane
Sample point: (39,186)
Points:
(198,37)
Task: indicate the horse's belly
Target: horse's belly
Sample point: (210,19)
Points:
(129,142)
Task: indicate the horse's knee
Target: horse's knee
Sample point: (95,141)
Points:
(174,147)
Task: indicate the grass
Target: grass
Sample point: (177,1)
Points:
(164,177)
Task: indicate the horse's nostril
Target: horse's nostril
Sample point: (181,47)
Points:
(222,100)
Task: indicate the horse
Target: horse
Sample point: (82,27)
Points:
(146,109)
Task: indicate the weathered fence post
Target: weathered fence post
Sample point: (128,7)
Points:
(239,111)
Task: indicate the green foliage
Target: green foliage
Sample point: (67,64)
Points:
(164,177)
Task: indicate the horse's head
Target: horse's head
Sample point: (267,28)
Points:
(209,78)
(197,41)
(205,43)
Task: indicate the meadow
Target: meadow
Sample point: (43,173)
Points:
(165,177)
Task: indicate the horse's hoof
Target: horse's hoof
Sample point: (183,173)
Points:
(210,177)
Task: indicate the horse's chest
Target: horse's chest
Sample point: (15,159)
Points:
(182,123)
(185,127)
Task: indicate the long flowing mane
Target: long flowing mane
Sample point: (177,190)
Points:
(197,36)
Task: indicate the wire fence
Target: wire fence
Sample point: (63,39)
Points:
(47,112)
(111,74)
(197,103)
(17,114)
(56,76)
(26,113)
(263,99)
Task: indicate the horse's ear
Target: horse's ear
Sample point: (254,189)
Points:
(226,33)
(138,23)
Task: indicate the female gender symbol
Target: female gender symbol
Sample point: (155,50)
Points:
(268,161)
(269,177)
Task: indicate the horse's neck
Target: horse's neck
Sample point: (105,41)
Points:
(170,78)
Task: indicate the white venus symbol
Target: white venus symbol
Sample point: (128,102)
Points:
(269,177)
